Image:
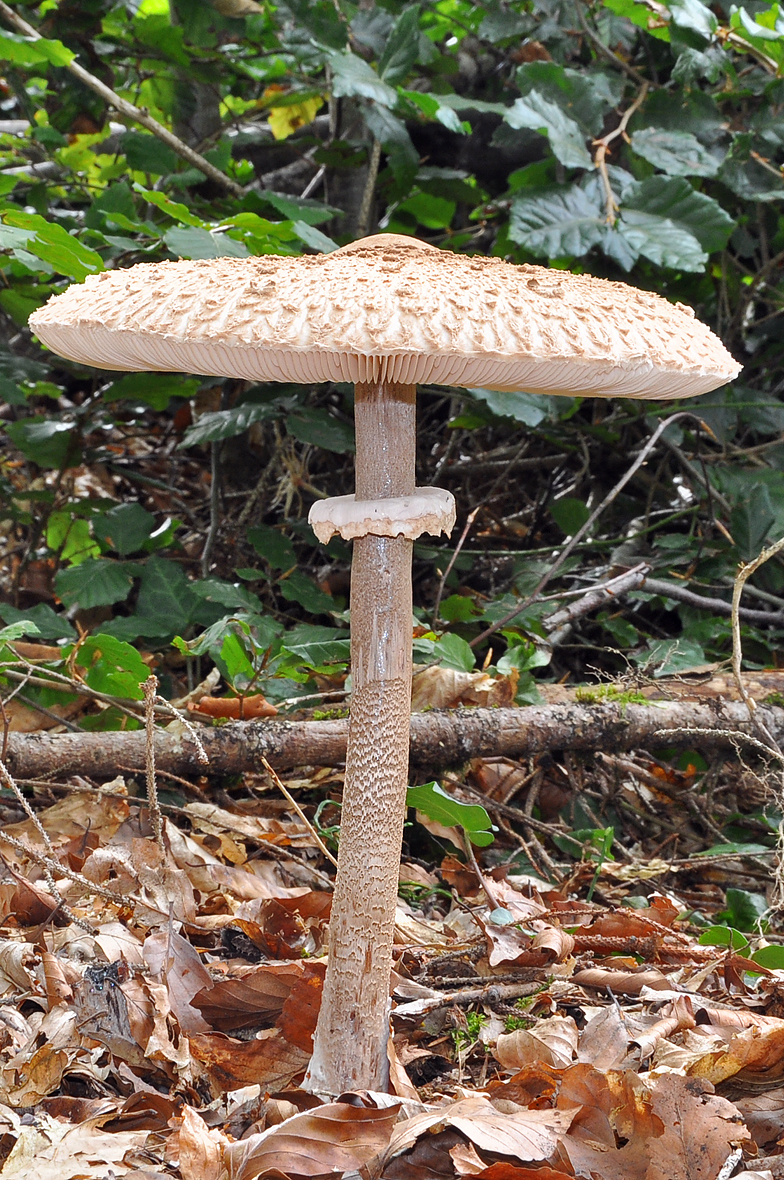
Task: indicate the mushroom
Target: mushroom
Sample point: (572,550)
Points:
(386,312)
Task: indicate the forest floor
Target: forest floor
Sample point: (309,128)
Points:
(593,986)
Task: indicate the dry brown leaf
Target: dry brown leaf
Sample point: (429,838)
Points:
(268,1060)
(622,983)
(53,1150)
(172,958)
(28,1079)
(199,1149)
(248,996)
(552,1041)
(755,1054)
(523,1134)
(330,1139)
(446,688)
(604,1041)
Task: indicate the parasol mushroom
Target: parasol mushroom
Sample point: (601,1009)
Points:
(386,312)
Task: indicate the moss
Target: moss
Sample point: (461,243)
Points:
(609,694)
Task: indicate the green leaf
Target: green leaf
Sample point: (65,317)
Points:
(584,97)
(673,656)
(314,237)
(691,14)
(153,389)
(352,77)
(724,936)
(113,667)
(166,595)
(16,631)
(661,240)
(402,48)
(193,242)
(70,536)
(146,153)
(501,24)
(771,957)
(298,587)
(24,52)
(569,514)
(678,153)
(529,408)
(431,106)
(640,15)
(39,620)
(745,910)
(220,424)
(300,208)
(49,443)
(449,650)
(319,428)
(270,544)
(565,137)
(317,653)
(751,520)
(53,244)
(96,582)
(434,802)
(124,528)
(556,222)
(677,201)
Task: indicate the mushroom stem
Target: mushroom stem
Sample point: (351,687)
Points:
(350,1043)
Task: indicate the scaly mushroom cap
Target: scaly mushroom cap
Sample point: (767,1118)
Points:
(388,308)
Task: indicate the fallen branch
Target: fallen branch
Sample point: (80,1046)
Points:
(439,738)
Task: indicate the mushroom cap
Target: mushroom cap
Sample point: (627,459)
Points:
(388,308)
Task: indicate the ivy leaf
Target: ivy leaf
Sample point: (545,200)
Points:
(678,153)
(556,222)
(564,135)
(352,77)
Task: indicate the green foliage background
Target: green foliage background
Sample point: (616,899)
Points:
(637,141)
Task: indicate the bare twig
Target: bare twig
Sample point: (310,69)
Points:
(150,688)
(597,512)
(605,50)
(765,618)
(602,145)
(463,536)
(560,622)
(130,110)
(287,794)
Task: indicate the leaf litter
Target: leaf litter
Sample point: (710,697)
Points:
(157,1008)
